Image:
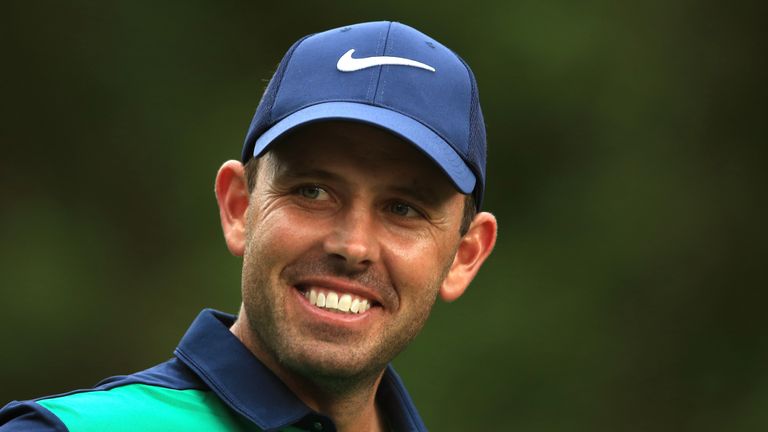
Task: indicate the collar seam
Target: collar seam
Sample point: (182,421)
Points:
(233,401)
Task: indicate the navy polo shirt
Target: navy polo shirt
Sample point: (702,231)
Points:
(212,384)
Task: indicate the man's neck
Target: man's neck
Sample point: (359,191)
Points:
(350,404)
(351,410)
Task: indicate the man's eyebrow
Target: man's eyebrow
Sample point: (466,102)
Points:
(421,195)
(307,173)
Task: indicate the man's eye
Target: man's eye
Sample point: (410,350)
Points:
(403,210)
(313,192)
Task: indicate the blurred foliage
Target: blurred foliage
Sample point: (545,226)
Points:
(626,166)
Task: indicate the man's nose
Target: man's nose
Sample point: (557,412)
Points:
(353,240)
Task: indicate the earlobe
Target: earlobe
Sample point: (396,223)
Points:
(473,249)
(232,196)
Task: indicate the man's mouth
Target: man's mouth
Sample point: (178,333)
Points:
(337,301)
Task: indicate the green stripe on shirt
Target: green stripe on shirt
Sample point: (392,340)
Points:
(141,407)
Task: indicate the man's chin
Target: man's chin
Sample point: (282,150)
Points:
(334,364)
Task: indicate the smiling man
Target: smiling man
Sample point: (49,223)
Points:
(354,206)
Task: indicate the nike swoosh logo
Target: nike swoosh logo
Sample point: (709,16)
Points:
(348,64)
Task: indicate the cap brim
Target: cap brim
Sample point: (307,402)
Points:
(407,128)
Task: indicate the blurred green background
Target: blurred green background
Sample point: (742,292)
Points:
(627,154)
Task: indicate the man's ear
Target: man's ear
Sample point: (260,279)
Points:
(473,249)
(232,196)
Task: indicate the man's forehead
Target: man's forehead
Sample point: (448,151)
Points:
(336,141)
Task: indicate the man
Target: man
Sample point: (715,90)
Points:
(354,206)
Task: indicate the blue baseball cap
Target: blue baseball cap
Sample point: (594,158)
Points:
(388,75)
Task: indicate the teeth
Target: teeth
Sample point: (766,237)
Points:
(332,300)
(345,302)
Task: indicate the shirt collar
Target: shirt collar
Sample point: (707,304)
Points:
(251,389)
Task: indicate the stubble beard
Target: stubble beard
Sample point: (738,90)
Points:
(322,357)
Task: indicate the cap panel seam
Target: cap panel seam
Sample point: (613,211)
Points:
(472,93)
(288,58)
(381,68)
(480,186)
(373,76)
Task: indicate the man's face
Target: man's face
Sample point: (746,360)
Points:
(345,210)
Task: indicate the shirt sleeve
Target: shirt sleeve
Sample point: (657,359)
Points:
(29,416)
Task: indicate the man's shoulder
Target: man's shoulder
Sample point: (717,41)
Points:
(28,416)
(165,397)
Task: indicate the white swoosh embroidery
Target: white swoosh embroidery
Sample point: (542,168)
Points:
(348,64)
